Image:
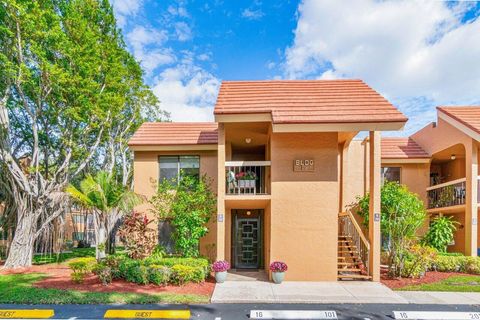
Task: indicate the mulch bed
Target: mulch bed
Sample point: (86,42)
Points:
(59,278)
(430,277)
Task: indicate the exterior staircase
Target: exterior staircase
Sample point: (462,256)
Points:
(353,250)
(350,265)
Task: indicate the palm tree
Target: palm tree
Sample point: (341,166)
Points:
(108,200)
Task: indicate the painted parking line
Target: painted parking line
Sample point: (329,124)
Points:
(435,315)
(147,314)
(26,313)
(293,314)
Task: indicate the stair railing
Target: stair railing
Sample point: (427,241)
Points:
(348,227)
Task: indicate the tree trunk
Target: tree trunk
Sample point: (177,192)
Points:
(21,249)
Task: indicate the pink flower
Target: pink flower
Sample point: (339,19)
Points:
(220,266)
(278,266)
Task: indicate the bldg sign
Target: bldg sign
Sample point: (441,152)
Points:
(303,165)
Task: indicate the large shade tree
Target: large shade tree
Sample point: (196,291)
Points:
(70,95)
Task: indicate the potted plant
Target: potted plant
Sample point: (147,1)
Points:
(220,268)
(278,269)
(246,179)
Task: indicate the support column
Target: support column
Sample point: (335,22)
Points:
(221,193)
(471,201)
(374,208)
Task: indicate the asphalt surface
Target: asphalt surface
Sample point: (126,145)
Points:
(242,311)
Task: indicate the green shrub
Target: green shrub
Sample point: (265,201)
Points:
(447,263)
(104,273)
(418,260)
(159,275)
(182,274)
(138,274)
(471,265)
(81,267)
(201,263)
(440,233)
(125,266)
(114,261)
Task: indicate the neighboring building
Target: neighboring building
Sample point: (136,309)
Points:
(296,139)
(440,164)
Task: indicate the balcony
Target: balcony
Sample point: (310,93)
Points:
(447,194)
(247,177)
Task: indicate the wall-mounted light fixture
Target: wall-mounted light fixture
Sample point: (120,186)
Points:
(249,213)
(453,157)
(248,140)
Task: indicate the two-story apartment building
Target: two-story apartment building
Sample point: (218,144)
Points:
(440,164)
(284,167)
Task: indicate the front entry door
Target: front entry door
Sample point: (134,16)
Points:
(247,234)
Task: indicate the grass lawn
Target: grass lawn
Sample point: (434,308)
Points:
(454,283)
(18,288)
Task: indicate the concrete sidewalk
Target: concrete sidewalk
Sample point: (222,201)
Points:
(434,297)
(304,292)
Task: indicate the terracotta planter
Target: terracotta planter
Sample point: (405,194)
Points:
(220,277)
(278,277)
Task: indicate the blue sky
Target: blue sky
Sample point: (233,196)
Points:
(417,54)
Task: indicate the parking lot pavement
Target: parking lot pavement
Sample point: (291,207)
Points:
(241,311)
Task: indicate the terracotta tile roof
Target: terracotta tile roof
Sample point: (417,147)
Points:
(467,115)
(175,133)
(307,101)
(402,148)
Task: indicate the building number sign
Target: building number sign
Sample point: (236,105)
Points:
(303,165)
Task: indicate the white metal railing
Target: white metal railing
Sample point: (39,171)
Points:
(447,194)
(348,227)
(247,177)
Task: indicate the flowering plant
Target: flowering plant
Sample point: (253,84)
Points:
(278,266)
(220,266)
(248,175)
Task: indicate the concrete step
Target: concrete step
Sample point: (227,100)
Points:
(349,270)
(353,276)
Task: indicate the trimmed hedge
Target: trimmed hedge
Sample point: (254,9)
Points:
(456,263)
(157,271)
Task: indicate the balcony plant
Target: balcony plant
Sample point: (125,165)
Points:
(278,269)
(246,179)
(220,268)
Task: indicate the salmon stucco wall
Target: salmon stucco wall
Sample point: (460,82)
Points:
(146,174)
(304,231)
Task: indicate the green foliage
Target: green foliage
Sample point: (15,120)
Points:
(18,288)
(104,273)
(448,263)
(200,263)
(190,204)
(159,275)
(440,233)
(402,214)
(182,274)
(138,274)
(81,267)
(418,261)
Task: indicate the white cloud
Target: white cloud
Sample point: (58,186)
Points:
(203,57)
(125,8)
(180,11)
(187,91)
(183,31)
(147,47)
(251,14)
(407,50)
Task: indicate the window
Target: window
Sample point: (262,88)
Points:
(171,166)
(78,218)
(391,174)
(77,236)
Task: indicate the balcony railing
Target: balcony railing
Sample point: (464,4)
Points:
(447,194)
(247,177)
